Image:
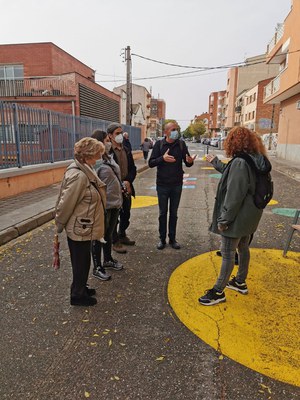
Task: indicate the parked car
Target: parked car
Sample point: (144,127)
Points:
(214,142)
(206,141)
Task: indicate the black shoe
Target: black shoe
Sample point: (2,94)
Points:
(236,257)
(90,292)
(85,301)
(101,274)
(174,244)
(212,297)
(161,245)
(113,264)
(240,287)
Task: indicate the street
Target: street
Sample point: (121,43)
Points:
(132,344)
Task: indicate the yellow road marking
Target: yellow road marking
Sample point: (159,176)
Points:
(144,201)
(272,202)
(259,330)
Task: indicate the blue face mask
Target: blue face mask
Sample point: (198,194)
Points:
(174,135)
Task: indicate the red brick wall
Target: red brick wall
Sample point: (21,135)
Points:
(265,110)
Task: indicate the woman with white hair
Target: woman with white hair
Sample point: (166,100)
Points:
(80,211)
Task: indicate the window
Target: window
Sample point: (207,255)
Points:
(11,79)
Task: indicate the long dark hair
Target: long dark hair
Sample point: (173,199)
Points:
(100,136)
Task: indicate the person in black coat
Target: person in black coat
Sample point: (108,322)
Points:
(168,155)
(123,157)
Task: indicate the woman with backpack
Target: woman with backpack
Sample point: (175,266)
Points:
(236,215)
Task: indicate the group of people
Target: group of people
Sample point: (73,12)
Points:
(94,206)
(95,201)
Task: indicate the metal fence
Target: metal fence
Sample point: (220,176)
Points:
(31,136)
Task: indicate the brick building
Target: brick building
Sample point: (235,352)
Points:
(45,76)
(157,117)
(284,89)
(216,107)
(250,110)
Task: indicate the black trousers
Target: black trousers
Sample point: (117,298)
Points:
(124,219)
(111,220)
(80,252)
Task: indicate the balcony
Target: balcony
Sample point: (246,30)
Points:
(275,39)
(35,87)
(238,109)
(272,87)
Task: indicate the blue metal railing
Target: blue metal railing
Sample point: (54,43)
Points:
(31,136)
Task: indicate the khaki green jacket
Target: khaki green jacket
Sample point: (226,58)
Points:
(81,204)
(234,205)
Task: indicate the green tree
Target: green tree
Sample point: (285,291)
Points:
(188,132)
(198,129)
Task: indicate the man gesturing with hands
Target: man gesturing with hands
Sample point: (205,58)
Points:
(168,155)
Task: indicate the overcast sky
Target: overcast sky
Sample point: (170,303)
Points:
(185,32)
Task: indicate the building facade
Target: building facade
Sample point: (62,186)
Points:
(45,76)
(157,117)
(216,106)
(252,112)
(140,97)
(243,78)
(284,89)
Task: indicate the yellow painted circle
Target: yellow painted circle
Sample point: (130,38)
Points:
(272,202)
(259,330)
(144,201)
(207,168)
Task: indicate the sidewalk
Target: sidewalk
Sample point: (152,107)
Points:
(21,214)
(27,211)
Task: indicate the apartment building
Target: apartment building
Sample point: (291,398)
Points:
(157,117)
(284,89)
(216,107)
(45,76)
(140,98)
(242,78)
(250,110)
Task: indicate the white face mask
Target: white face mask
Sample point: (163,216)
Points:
(107,147)
(119,138)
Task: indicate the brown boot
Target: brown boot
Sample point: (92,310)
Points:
(118,248)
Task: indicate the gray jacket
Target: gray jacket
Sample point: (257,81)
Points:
(108,172)
(234,205)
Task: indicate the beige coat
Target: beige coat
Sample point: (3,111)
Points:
(81,204)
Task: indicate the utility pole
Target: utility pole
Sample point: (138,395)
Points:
(271,130)
(128,85)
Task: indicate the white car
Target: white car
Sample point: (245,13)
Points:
(214,142)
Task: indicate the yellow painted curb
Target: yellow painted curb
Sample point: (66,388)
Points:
(144,201)
(259,330)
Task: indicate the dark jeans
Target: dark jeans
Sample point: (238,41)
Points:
(145,153)
(124,217)
(168,195)
(111,219)
(80,252)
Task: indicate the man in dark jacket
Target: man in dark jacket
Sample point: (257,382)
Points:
(168,155)
(123,157)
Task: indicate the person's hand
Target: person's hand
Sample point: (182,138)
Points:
(168,158)
(210,157)
(222,227)
(190,159)
(128,186)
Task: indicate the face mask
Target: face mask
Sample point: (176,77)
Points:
(174,135)
(119,138)
(107,147)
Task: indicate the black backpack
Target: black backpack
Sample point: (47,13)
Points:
(264,184)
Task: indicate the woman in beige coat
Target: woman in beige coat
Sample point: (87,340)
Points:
(80,211)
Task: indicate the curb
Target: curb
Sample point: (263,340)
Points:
(25,226)
(34,222)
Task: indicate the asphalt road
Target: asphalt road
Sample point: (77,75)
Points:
(131,345)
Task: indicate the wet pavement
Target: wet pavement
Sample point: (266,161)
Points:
(131,345)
